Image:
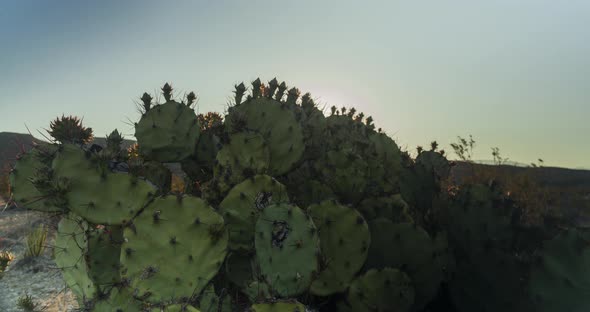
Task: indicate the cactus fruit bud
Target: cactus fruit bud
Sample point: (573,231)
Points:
(167,91)
(240,90)
(359,117)
(293,95)
(333,110)
(433,146)
(307,102)
(147,101)
(281,92)
(273,86)
(190,98)
(257,88)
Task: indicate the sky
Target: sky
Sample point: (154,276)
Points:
(514,74)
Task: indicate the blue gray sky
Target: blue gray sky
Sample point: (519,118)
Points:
(514,74)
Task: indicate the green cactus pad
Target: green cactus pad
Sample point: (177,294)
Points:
(209,301)
(346,134)
(198,166)
(314,123)
(560,279)
(242,205)
(71,244)
(381,291)
(173,248)
(246,154)
(385,164)
(118,299)
(279,306)
(157,174)
(346,173)
(433,161)
(393,208)
(305,187)
(96,194)
(344,241)
(277,124)
(239,268)
(176,308)
(386,151)
(287,248)
(258,291)
(478,216)
(34,164)
(407,247)
(168,132)
(445,257)
(104,251)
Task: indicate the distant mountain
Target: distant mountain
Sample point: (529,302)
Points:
(548,176)
(11,144)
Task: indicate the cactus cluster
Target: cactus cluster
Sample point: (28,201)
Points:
(285,208)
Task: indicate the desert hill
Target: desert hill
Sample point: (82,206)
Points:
(11,144)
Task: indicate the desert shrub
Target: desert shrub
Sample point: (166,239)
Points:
(36,242)
(521,185)
(26,303)
(5,258)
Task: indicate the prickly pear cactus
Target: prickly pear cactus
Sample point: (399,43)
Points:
(276,123)
(31,181)
(287,248)
(244,203)
(284,209)
(95,193)
(281,306)
(412,250)
(381,290)
(191,241)
(344,241)
(71,246)
(245,155)
(560,277)
(167,132)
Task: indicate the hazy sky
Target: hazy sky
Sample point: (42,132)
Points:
(513,73)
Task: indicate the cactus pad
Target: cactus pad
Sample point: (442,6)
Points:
(71,244)
(190,241)
(344,241)
(35,165)
(287,247)
(560,279)
(95,193)
(277,124)
(246,154)
(381,291)
(242,205)
(168,132)
(280,306)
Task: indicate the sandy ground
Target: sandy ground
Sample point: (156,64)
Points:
(37,277)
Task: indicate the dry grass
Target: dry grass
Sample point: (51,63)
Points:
(5,258)
(36,242)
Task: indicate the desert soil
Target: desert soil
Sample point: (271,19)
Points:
(37,277)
